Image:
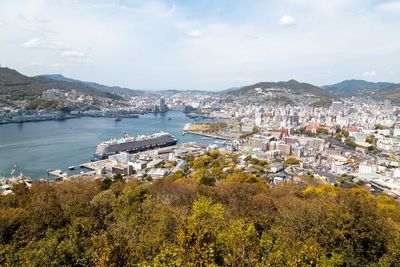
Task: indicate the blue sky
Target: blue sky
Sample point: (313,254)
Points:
(207,44)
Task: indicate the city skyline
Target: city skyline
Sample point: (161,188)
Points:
(203,45)
(199,133)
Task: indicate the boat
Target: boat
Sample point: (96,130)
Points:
(169,119)
(135,116)
(183,133)
(133,144)
(117,119)
(71,168)
(14,169)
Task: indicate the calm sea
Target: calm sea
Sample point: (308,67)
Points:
(35,147)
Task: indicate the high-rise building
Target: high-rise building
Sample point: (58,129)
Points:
(163,106)
(396,131)
(258,142)
(387,103)
(336,105)
(294,120)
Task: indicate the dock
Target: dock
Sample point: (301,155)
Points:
(57,173)
(95,165)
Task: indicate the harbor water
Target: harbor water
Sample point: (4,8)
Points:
(34,147)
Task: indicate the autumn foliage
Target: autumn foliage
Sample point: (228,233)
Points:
(239,221)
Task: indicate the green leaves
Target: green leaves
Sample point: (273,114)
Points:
(239,221)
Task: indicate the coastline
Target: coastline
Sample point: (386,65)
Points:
(42,119)
(135,116)
(54,144)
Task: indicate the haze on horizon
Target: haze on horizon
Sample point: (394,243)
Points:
(210,45)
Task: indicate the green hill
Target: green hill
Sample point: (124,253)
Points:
(349,88)
(292,87)
(125,92)
(19,86)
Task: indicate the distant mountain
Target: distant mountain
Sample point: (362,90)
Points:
(125,92)
(293,85)
(18,86)
(10,77)
(232,89)
(57,77)
(350,88)
(182,91)
(289,90)
(392,92)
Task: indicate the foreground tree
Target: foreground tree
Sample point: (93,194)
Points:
(181,221)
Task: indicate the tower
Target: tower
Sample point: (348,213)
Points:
(163,106)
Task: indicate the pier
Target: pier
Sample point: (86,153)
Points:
(57,173)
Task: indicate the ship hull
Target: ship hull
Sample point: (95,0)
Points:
(97,157)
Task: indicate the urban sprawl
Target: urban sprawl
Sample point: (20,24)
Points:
(353,141)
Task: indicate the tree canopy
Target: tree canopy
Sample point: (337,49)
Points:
(177,221)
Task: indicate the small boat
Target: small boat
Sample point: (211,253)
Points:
(117,119)
(71,168)
(183,133)
(169,119)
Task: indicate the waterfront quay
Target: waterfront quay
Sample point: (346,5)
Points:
(212,130)
(150,164)
(54,116)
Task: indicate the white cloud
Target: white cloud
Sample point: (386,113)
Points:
(232,44)
(1,24)
(36,63)
(325,8)
(195,33)
(252,36)
(57,65)
(390,7)
(73,53)
(78,57)
(370,73)
(41,20)
(40,43)
(40,30)
(287,20)
(30,19)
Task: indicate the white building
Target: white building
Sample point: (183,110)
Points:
(388,144)
(366,169)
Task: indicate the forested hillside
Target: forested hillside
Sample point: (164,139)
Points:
(18,86)
(234,220)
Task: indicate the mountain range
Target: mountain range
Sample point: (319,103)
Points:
(18,85)
(288,92)
(344,89)
(99,87)
(380,90)
(295,86)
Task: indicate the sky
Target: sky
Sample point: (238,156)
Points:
(202,44)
